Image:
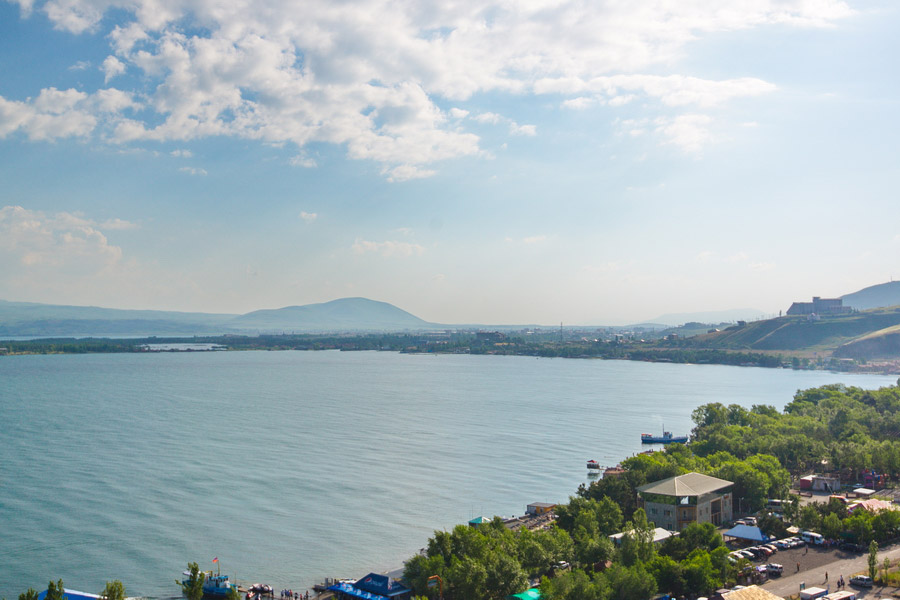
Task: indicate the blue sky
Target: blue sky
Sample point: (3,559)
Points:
(494,162)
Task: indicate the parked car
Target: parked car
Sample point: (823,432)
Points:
(771,547)
(747,554)
(861,581)
(750,521)
(783,544)
(851,547)
(774,568)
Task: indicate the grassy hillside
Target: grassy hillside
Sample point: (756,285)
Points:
(884,343)
(798,333)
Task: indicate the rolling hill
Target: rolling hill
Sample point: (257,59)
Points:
(345,314)
(798,333)
(874,296)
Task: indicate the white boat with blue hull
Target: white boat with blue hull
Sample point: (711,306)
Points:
(214,585)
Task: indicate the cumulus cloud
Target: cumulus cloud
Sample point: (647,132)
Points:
(308,217)
(371,76)
(33,239)
(181,153)
(55,114)
(112,67)
(387,248)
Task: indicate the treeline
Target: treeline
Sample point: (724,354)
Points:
(458,343)
(850,428)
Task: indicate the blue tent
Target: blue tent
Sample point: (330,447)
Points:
(71,595)
(348,590)
(747,532)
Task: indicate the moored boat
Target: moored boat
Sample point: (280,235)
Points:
(214,585)
(593,464)
(665,438)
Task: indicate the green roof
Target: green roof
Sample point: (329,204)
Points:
(532,594)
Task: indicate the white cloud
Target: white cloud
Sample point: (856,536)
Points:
(528,130)
(301,160)
(388,248)
(181,153)
(81,65)
(489,117)
(689,132)
(579,103)
(370,76)
(407,172)
(193,171)
(58,114)
(112,67)
(308,216)
(32,239)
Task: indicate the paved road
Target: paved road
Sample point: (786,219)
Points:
(789,583)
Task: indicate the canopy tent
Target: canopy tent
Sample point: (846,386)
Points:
(346,589)
(746,532)
(71,595)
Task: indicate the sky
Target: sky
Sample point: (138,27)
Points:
(470,161)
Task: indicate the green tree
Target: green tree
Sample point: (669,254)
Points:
(873,558)
(630,583)
(831,526)
(637,543)
(193,587)
(55,591)
(30,594)
(810,519)
(114,590)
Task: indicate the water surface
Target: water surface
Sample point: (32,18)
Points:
(293,466)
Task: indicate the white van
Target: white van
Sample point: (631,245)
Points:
(811,537)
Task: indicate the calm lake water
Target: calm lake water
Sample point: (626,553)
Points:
(293,466)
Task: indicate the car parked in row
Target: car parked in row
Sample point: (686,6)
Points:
(861,581)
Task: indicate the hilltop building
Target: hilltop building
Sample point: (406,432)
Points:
(819,306)
(676,502)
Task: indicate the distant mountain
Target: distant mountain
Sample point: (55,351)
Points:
(874,296)
(34,319)
(713,316)
(345,314)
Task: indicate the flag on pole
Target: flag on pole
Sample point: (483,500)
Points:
(216,559)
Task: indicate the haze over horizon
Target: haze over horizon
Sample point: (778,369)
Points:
(504,163)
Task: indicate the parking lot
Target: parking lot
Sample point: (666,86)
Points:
(815,562)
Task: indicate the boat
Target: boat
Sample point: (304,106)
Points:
(593,464)
(214,585)
(665,438)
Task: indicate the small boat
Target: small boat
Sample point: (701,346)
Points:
(214,585)
(665,438)
(593,464)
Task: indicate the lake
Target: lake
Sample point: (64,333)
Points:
(295,466)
